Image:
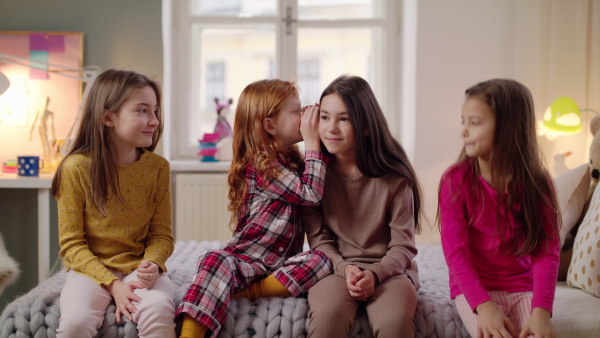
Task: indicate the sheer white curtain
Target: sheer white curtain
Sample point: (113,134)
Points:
(557,53)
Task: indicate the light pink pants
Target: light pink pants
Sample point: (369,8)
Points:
(515,305)
(83,304)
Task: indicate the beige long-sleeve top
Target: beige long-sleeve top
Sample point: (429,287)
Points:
(92,244)
(367,222)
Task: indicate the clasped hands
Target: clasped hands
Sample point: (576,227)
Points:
(147,274)
(360,283)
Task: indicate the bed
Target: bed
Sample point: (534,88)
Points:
(36,313)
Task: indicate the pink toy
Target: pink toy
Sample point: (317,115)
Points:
(223,128)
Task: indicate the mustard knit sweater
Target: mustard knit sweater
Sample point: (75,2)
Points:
(93,244)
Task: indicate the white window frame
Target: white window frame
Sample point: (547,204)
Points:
(177,22)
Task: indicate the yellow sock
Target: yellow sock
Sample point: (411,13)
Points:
(268,287)
(246,293)
(271,287)
(190,328)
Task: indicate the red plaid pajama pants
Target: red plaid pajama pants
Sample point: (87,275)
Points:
(221,274)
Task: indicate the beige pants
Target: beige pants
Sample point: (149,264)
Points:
(83,304)
(391,309)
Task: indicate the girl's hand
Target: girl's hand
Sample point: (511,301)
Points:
(538,325)
(492,322)
(147,273)
(123,295)
(367,284)
(353,275)
(309,128)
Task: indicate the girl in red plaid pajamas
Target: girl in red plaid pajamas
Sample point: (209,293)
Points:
(268,181)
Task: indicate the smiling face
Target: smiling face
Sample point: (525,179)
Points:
(478,123)
(135,122)
(335,127)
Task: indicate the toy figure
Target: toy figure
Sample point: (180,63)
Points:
(223,128)
(46,119)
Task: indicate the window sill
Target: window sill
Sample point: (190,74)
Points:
(197,166)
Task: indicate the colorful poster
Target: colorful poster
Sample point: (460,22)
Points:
(27,126)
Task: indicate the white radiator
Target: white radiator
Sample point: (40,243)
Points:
(201,207)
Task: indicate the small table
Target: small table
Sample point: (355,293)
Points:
(43,184)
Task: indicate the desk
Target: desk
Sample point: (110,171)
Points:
(43,185)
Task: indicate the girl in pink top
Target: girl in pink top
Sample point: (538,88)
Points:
(499,218)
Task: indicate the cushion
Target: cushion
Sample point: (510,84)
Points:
(571,192)
(584,272)
(575,312)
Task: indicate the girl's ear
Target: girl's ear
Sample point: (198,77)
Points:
(107,119)
(269,127)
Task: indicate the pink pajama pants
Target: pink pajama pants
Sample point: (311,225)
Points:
(83,304)
(515,305)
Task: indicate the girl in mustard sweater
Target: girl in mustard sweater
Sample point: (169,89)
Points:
(114,212)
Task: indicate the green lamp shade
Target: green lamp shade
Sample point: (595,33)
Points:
(563,116)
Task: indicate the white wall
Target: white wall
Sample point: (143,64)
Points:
(459,43)
(548,45)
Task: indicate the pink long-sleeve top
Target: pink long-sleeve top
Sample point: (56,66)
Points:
(476,261)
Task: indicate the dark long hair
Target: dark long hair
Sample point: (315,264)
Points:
(377,152)
(517,167)
(108,92)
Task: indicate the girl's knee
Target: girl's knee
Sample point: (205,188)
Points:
(214,258)
(330,310)
(156,302)
(155,313)
(317,255)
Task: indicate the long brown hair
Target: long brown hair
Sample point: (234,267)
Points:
(517,168)
(377,152)
(108,92)
(251,142)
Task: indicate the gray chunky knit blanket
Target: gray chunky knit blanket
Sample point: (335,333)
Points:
(36,313)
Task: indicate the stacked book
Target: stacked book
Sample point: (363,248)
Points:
(9,167)
(208,147)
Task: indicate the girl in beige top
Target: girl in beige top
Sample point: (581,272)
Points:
(366,224)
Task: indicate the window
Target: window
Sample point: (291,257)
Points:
(308,81)
(216,48)
(215,82)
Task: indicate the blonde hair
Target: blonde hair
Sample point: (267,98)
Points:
(108,92)
(251,142)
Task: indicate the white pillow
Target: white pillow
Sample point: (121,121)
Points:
(571,191)
(584,271)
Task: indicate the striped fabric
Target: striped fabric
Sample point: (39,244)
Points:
(515,305)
